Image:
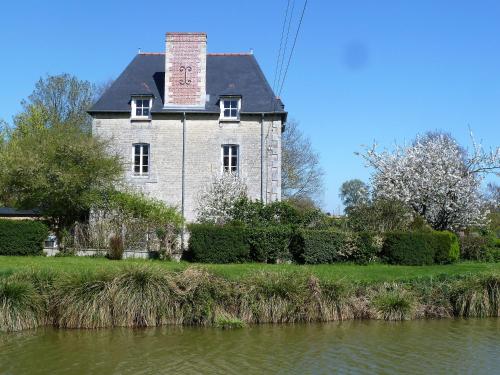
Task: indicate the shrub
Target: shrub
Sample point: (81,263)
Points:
(318,246)
(446,247)
(360,248)
(328,246)
(23,237)
(408,248)
(480,247)
(269,245)
(116,249)
(419,248)
(217,244)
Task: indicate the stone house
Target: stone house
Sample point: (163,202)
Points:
(180,117)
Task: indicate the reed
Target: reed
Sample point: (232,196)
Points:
(147,295)
(393,302)
(142,297)
(20,306)
(476,297)
(83,300)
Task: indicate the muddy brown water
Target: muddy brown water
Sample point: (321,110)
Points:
(364,347)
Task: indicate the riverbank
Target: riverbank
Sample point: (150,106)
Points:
(140,294)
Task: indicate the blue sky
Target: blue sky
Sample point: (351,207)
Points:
(362,70)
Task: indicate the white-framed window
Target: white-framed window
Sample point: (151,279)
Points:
(141,107)
(141,155)
(230,158)
(230,108)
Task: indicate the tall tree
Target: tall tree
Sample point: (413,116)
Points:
(59,170)
(354,193)
(436,177)
(65,99)
(301,172)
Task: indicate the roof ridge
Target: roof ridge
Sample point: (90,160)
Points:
(230,54)
(208,54)
(151,53)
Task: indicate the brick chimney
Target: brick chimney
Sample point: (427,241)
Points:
(185,70)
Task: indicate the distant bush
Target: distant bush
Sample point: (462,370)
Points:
(22,237)
(329,246)
(420,248)
(318,246)
(218,244)
(116,248)
(446,247)
(484,247)
(367,249)
(269,244)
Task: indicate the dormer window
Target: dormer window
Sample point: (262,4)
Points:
(141,107)
(230,108)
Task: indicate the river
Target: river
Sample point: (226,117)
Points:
(367,347)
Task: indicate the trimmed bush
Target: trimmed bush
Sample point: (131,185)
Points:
(408,248)
(446,247)
(318,246)
(420,248)
(218,244)
(270,244)
(22,237)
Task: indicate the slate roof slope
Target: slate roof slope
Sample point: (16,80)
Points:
(227,74)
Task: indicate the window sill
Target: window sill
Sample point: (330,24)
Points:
(143,179)
(224,119)
(140,119)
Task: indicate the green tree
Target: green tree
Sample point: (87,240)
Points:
(354,193)
(64,98)
(57,168)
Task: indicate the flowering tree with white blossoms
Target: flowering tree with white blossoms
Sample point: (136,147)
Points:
(436,177)
(217,199)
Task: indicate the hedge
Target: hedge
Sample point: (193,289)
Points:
(310,246)
(446,247)
(420,248)
(22,237)
(217,244)
(317,246)
(269,244)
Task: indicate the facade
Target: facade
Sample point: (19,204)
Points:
(179,118)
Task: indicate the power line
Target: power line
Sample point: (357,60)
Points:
(281,44)
(286,43)
(293,47)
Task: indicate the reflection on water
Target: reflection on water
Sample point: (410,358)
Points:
(427,347)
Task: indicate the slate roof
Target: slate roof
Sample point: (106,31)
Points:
(227,74)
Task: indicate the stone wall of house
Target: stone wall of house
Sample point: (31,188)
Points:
(205,135)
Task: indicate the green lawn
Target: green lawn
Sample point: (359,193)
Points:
(370,273)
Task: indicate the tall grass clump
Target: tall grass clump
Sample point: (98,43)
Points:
(204,297)
(83,300)
(328,301)
(43,281)
(275,297)
(20,306)
(393,302)
(142,297)
(476,297)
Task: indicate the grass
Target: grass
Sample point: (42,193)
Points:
(94,293)
(325,272)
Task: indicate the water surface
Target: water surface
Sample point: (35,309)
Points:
(367,347)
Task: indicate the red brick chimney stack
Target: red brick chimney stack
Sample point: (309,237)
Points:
(185,70)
